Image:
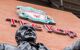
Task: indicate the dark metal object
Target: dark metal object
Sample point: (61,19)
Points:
(26,40)
(25,33)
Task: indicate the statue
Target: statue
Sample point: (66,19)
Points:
(26,40)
